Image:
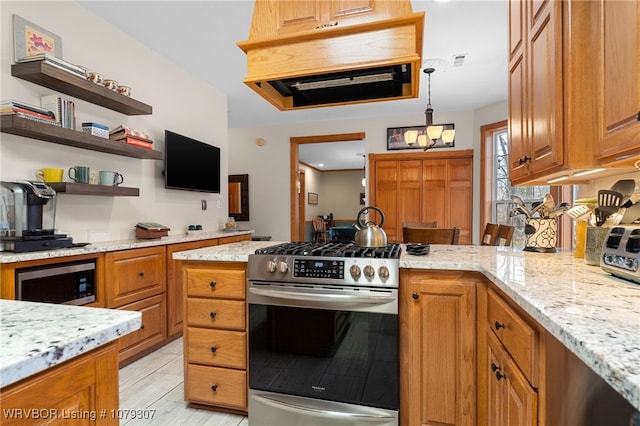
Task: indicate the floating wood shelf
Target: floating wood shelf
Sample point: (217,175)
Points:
(49,133)
(87,189)
(44,74)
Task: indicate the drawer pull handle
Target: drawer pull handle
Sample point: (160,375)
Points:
(499,325)
(141,274)
(212,284)
(212,314)
(214,387)
(214,349)
(494,367)
(415,296)
(499,375)
(523,160)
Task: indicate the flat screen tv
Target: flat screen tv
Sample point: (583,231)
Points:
(190,164)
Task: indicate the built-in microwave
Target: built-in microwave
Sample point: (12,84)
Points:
(72,283)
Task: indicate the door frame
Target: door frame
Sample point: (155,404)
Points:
(296,221)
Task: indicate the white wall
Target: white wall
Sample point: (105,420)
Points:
(269,190)
(180,101)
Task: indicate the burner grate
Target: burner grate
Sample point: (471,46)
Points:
(390,251)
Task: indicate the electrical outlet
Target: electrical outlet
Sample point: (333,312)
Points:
(204,204)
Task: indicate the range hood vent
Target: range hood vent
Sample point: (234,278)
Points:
(373,58)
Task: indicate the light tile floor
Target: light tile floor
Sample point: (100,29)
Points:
(155,382)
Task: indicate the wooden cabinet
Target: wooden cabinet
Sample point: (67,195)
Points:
(619,84)
(574,94)
(136,280)
(85,385)
(174,284)
(215,341)
(133,275)
(437,316)
(422,188)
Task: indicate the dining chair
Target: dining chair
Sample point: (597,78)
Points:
(433,224)
(490,234)
(321,233)
(505,235)
(431,235)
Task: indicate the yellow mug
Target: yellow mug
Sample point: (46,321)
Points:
(48,174)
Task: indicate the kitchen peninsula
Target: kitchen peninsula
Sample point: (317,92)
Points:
(589,312)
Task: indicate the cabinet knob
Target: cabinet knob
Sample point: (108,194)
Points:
(141,274)
(212,314)
(214,349)
(415,296)
(499,325)
(523,159)
(499,375)
(142,327)
(638,116)
(214,387)
(212,284)
(494,367)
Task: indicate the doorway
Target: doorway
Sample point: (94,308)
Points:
(297,211)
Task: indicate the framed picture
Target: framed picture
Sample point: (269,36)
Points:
(30,40)
(395,137)
(312,198)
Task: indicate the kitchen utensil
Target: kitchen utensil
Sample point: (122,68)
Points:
(536,206)
(548,205)
(609,201)
(520,203)
(369,234)
(601,216)
(615,218)
(579,212)
(631,214)
(624,186)
(558,210)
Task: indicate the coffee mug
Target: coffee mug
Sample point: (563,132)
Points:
(110,178)
(48,174)
(81,174)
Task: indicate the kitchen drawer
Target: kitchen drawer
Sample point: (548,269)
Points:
(153,330)
(205,282)
(132,275)
(219,348)
(519,338)
(216,313)
(216,386)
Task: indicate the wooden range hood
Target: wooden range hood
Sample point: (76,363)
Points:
(316,53)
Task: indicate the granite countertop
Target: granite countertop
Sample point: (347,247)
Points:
(35,336)
(594,314)
(106,246)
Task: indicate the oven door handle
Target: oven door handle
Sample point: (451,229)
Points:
(319,412)
(319,297)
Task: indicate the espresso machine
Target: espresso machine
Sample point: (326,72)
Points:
(27,217)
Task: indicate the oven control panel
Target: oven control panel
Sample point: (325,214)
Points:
(318,268)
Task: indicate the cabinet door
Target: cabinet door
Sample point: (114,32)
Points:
(512,401)
(458,207)
(132,275)
(409,192)
(437,348)
(386,197)
(153,330)
(434,191)
(544,85)
(620,82)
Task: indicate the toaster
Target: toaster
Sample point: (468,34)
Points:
(621,252)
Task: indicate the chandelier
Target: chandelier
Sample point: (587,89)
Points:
(432,133)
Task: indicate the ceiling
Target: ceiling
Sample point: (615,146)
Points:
(476,28)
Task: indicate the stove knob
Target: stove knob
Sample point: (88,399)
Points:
(355,271)
(383,272)
(369,272)
(283,267)
(271,266)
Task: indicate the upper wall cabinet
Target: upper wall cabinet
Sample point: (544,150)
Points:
(620,82)
(557,54)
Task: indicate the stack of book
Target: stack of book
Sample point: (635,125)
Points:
(58,63)
(131,136)
(30,112)
(64,110)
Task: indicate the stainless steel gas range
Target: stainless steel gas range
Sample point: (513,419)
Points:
(323,335)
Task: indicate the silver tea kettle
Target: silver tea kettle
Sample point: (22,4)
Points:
(369,234)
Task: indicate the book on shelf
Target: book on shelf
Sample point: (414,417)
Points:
(143,143)
(11,105)
(63,109)
(56,62)
(33,117)
(122,131)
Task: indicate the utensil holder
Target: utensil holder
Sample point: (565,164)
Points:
(542,235)
(596,236)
